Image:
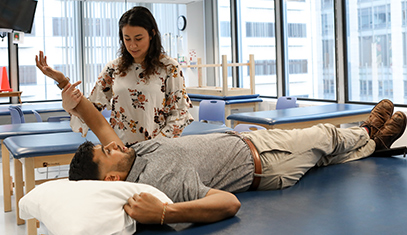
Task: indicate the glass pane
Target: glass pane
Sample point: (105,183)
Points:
(310,48)
(3,60)
(257,37)
(101,38)
(372,72)
(225,36)
(225,40)
(55,31)
(80,56)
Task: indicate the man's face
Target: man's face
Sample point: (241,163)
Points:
(113,158)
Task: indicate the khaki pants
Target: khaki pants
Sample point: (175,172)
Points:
(286,155)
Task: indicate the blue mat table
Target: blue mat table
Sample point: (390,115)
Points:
(362,197)
(18,130)
(304,116)
(45,107)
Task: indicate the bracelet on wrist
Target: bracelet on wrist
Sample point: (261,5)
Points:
(163,215)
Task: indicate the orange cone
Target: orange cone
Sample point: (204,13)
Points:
(5,84)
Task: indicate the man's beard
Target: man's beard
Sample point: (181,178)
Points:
(125,164)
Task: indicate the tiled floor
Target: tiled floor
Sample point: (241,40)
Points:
(8,225)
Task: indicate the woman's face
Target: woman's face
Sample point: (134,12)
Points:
(137,42)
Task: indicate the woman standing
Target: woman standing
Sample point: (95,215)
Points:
(143,87)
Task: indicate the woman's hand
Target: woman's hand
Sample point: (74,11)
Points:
(71,96)
(59,77)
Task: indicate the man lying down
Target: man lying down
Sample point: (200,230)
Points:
(200,173)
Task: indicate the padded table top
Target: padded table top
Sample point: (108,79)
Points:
(33,128)
(22,146)
(45,107)
(302,114)
(233,101)
(46,144)
(361,197)
(215,97)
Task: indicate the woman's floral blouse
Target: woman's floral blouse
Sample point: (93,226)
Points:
(142,108)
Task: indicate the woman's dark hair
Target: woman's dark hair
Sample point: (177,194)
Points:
(82,166)
(142,17)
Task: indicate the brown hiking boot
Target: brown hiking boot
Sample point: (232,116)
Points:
(391,131)
(378,116)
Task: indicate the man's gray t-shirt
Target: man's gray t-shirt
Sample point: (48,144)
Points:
(186,168)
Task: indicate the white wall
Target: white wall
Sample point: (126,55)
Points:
(196,38)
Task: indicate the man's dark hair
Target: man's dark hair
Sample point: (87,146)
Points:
(82,166)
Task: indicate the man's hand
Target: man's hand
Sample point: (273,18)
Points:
(71,96)
(144,208)
(215,206)
(41,62)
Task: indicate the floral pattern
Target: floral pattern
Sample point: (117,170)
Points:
(142,108)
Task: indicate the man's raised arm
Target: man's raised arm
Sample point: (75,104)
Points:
(90,115)
(74,102)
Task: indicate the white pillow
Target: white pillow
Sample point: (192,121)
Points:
(84,207)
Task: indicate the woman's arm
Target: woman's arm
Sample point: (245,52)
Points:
(215,206)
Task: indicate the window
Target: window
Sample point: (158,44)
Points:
(99,28)
(78,38)
(365,18)
(372,65)
(381,16)
(310,50)
(327,4)
(60,27)
(326,24)
(404,49)
(28,75)
(365,51)
(385,88)
(298,66)
(405,89)
(309,42)
(329,88)
(264,67)
(383,49)
(259,29)
(225,29)
(365,88)
(297,30)
(256,30)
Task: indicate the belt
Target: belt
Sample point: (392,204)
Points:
(257,163)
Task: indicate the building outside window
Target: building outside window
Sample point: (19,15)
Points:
(256,35)
(310,49)
(375,70)
(309,37)
(78,38)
